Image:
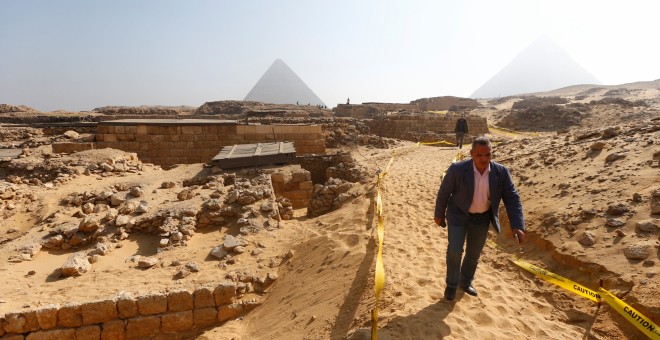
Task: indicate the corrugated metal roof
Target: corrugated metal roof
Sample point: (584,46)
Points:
(243,155)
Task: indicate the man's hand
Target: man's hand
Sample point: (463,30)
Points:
(518,235)
(440,222)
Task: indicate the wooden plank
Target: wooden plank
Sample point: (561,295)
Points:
(233,148)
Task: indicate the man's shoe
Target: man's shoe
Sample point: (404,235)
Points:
(470,290)
(450,294)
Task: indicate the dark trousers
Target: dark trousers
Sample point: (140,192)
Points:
(459,139)
(474,235)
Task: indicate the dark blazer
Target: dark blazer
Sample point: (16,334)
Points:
(457,188)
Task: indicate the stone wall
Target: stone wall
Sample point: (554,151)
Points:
(399,126)
(384,107)
(198,141)
(356,111)
(125,317)
(296,186)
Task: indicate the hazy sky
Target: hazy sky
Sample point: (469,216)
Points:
(78,55)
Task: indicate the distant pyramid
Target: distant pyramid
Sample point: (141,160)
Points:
(280,85)
(542,66)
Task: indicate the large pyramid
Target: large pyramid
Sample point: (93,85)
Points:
(280,85)
(542,66)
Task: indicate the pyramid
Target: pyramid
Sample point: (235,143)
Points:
(542,66)
(280,85)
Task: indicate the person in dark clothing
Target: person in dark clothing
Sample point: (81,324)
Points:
(468,202)
(461,130)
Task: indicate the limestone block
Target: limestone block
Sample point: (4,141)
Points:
(179,301)
(91,332)
(228,312)
(32,323)
(204,317)
(47,317)
(224,293)
(152,304)
(141,129)
(306,185)
(114,330)
(203,297)
(127,308)
(53,334)
(178,321)
(69,316)
(277,177)
(77,264)
(142,327)
(14,323)
(250,305)
(98,312)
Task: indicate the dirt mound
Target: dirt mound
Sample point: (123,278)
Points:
(543,118)
(6,108)
(530,102)
(618,101)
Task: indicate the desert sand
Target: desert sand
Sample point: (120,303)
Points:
(583,210)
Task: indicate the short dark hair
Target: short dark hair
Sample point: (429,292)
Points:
(481,141)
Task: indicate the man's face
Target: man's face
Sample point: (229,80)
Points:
(481,156)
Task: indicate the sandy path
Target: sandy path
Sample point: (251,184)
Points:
(411,306)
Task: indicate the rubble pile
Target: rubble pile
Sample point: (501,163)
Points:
(533,101)
(329,196)
(6,108)
(50,170)
(542,118)
(13,200)
(345,168)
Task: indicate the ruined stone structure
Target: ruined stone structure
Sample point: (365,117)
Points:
(370,110)
(296,186)
(399,126)
(127,317)
(445,103)
(184,141)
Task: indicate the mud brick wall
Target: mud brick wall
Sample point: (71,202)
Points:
(185,143)
(142,317)
(296,186)
(399,126)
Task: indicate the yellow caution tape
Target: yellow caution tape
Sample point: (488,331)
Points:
(380,268)
(438,142)
(559,280)
(643,323)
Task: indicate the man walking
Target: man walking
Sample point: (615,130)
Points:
(461,130)
(468,201)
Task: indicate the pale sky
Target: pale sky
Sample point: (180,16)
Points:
(78,55)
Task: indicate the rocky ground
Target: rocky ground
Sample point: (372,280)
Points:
(100,223)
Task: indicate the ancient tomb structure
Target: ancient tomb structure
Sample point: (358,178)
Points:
(400,125)
(185,141)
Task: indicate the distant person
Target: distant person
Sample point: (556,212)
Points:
(468,202)
(296,102)
(348,101)
(461,130)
